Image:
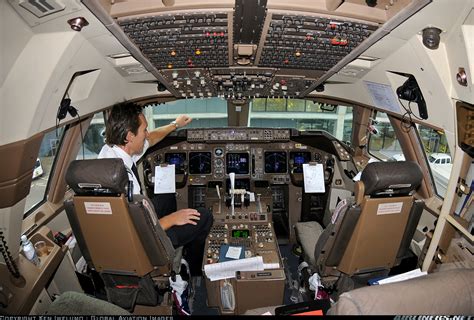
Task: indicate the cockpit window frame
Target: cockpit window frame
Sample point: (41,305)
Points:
(47,189)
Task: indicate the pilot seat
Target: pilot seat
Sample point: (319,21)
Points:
(119,234)
(367,235)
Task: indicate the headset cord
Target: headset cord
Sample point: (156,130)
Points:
(11,265)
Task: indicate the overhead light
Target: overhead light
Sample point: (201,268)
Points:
(320,88)
(161,87)
(371,3)
(78,23)
(431,37)
(168,3)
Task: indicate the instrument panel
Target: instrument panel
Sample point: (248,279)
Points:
(258,157)
(250,162)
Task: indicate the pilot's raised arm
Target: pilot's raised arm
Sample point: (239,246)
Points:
(158,134)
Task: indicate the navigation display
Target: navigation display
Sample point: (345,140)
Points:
(237,163)
(176,158)
(299,158)
(275,162)
(199,162)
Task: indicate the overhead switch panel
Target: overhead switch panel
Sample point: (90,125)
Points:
(310,42)
(183,40)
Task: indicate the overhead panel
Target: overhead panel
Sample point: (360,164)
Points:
(239,83)
(255,48)
(181,40)
(249,16)
(310,42)
(191,83)
(289,86)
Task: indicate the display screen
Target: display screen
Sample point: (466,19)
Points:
(178,159)
(199,162)
(298,159)
(275,162)
(241,233)
(237,163)
(239,184)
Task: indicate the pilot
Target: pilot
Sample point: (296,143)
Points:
(127,138)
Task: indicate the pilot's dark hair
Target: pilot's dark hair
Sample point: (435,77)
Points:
(123,117)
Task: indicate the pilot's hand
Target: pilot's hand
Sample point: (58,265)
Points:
(183,120)
(186,216)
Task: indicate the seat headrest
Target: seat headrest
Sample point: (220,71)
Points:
(391,178)
(98,176)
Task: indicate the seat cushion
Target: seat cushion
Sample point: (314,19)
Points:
(446,292)
(308,234)
(75,303)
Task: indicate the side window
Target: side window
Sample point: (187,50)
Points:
(383,143)
(94,139)
(44,166)
(438,155)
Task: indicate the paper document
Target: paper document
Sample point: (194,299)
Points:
(403,276)
(165,179)
(226,270)
(383,96)
(233,252)
(313,176)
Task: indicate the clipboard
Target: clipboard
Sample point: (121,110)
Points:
(313,177)
(165,180)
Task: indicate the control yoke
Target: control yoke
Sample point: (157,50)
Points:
(182,183)
(296,182)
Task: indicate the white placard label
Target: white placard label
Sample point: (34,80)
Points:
(98,207)
(389,208)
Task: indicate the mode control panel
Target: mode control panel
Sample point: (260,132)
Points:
(236,134)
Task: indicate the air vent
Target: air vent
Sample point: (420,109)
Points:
(127,65)
(41,8)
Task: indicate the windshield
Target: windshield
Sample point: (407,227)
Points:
(265,113)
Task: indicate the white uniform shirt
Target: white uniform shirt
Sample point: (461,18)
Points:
(116,152)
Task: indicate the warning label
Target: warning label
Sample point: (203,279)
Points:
(98,207)
(390,208)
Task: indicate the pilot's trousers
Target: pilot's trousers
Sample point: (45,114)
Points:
(192,237)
